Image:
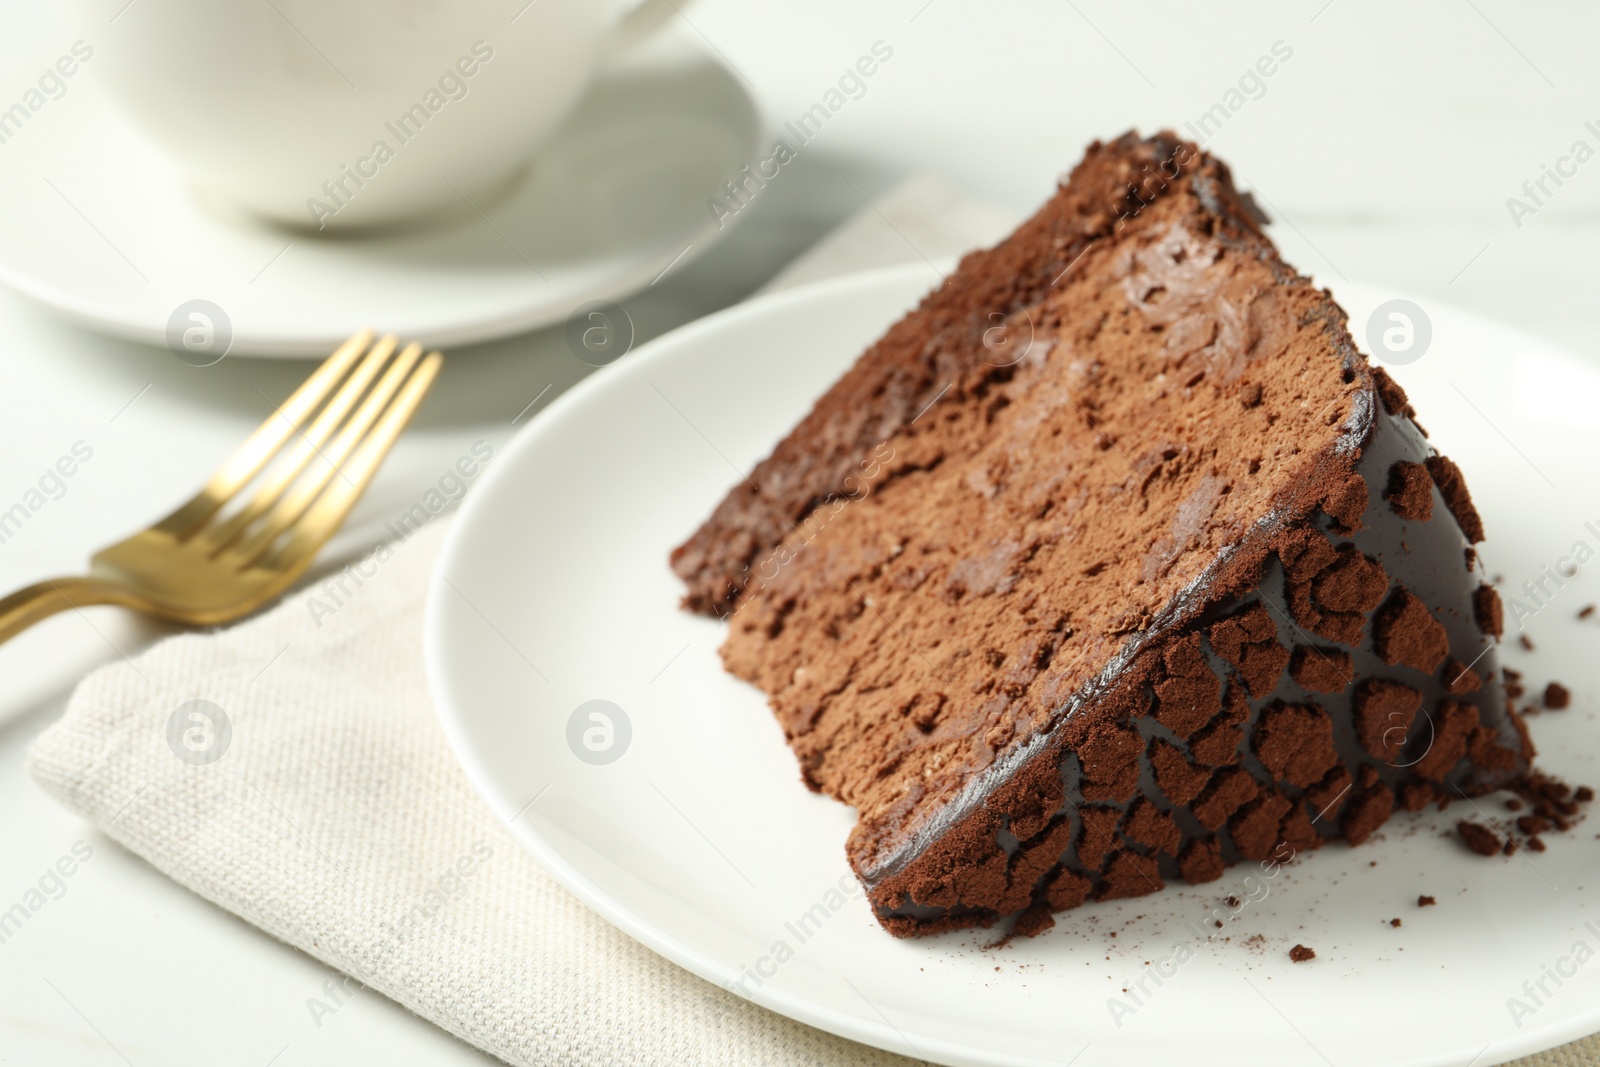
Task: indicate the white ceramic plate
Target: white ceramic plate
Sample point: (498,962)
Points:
(96,224)
(700,841)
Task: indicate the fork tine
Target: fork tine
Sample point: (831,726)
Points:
(326,515)
(306,490)
(310,443)
(248,459)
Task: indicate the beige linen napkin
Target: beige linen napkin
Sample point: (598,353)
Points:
(290,770)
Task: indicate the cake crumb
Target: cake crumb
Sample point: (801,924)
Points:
(1300,954)
(1527,645)
(1425,901)
(1557,696)
(1035,921)
(1586,611)
(1394,922)
(1479,838)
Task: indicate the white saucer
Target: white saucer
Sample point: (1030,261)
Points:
(699,840)
(95,222)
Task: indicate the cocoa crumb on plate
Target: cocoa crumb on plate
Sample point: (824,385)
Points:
(1479,838)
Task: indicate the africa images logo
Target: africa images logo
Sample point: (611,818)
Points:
(599,732)
(199,732)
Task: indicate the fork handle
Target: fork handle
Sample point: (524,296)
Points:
(43,599)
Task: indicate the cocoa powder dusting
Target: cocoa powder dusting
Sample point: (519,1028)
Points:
(1410,491)
(1453,487)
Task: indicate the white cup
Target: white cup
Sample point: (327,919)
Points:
(350,113)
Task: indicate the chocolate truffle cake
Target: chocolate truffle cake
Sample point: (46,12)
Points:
(1113,563)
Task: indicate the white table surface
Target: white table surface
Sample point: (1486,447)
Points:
(1389,144)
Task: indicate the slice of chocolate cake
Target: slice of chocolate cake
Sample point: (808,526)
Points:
(1111,564)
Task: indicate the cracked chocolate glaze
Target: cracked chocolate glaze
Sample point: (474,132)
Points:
(1430,558)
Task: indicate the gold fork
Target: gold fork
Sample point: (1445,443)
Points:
(203,564)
